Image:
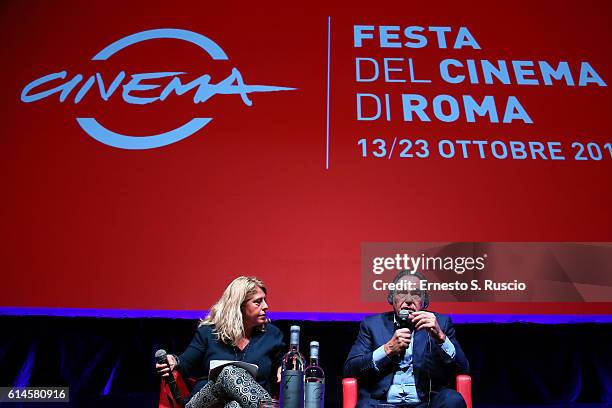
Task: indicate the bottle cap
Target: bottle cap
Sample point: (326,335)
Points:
(314,349)
(294,337)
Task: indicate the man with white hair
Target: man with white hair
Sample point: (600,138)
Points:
(408,357)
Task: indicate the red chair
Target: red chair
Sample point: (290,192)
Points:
(349,391)
(166,400)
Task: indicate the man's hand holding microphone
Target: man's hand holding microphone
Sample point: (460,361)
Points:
(398,343)
(408,323)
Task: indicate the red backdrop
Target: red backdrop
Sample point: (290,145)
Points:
(92,226)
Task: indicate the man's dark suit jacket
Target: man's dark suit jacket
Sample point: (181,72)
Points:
(432,369)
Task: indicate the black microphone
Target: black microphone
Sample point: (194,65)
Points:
(162,358)
(404,321)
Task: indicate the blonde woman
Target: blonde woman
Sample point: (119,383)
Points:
(236,329)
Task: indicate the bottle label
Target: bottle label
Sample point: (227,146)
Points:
(292,389)
(314,395)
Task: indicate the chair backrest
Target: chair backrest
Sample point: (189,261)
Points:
(166,400)
(349,393)
(464,387)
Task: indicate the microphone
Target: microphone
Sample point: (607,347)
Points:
(162,358)
(404,321)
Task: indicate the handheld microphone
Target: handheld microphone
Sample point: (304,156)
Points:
(162,358)
(404,321)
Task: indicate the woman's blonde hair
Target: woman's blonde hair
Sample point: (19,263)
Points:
(226,314)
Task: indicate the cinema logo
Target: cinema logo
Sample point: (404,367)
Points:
(203,88)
